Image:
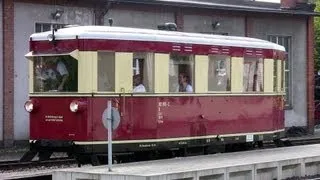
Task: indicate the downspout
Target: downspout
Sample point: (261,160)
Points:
(310,75)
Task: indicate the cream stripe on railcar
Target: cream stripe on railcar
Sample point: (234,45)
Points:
(237,74)
(211,94)
(94,76)
(201,73)
(31,75)
(123,82)
(279,74)
(85,71)
(268,75)
(177,139)
(161,70)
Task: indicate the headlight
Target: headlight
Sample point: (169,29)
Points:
(74,107)
(77,106)
(50,37)
(29,106)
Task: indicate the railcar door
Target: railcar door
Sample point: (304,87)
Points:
(109,85)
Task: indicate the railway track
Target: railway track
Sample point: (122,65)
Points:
(13,165)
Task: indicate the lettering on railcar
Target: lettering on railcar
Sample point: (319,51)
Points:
(182,142)
(52,118)
(162,104)
(147,145)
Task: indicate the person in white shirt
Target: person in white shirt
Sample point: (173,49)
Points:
(138,87)
(184,85)
(56,74)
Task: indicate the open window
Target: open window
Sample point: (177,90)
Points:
(143,72)
(219,73)
(181,73)
(253,75)
(55,74)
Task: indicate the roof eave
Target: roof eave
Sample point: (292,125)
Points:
(222,7)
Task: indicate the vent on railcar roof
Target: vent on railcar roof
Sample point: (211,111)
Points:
(168,27)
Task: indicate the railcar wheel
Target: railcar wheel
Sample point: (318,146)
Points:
(95,160)
(44,155)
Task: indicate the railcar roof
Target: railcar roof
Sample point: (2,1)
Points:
(136,34)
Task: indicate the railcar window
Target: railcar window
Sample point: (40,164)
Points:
(253,74)
(181,73)
(55,74)
(143,70)
(106,71)
(219,73)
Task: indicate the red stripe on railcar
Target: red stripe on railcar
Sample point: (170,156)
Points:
(63,46)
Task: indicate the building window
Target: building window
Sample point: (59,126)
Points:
(253,74)
(42,27)
(219,73)
(181,73)
(143,64)
(106,71)
(286,42)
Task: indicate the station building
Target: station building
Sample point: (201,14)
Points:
(289,23)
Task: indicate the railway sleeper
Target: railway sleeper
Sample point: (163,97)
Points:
(282,142)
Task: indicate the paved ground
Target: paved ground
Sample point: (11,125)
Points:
(198,163)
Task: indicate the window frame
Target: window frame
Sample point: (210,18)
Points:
(136,59)
(229,81)
(262,73)
(114,69)
(192,60)
(52,25)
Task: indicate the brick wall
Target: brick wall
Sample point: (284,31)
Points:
(179,19)
(8,71)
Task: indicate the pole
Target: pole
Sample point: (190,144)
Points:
(109,136)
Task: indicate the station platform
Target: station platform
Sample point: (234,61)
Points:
(278,163)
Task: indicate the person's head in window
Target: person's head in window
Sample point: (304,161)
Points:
(184,83)
(137,84)
(55,74)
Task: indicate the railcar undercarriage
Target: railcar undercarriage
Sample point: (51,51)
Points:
(97,154)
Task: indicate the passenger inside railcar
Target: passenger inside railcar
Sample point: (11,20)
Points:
(54,74)
(138,87)
(184,83)
(181,73)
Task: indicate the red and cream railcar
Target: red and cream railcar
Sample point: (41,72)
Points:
(173,90)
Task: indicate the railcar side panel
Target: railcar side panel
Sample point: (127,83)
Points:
(157,117)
